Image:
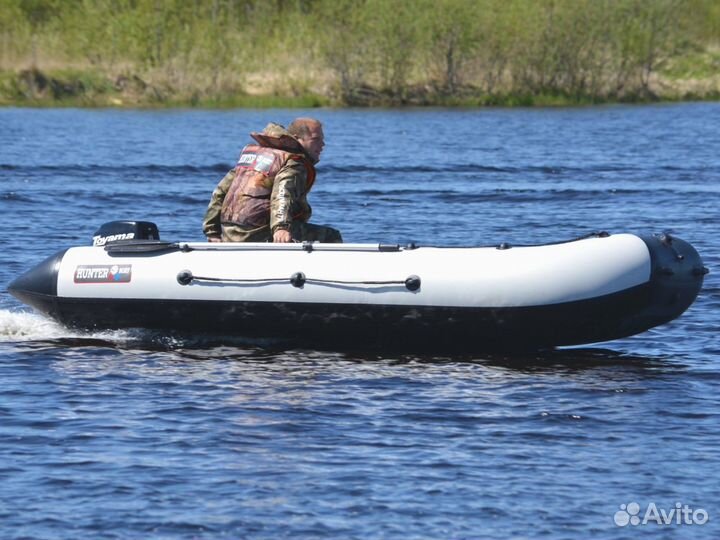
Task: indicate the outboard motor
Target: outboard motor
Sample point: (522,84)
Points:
(125,231)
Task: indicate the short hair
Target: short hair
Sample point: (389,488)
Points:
(300,127)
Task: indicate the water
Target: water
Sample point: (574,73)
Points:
(125,435)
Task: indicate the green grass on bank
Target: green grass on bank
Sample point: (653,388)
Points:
(693,65)
(305,53)
(91,88)
(309,101)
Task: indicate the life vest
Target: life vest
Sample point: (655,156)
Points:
(247,202)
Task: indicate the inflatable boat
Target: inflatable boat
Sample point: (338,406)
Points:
(597,288)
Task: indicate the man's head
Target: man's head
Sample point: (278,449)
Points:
(310,134)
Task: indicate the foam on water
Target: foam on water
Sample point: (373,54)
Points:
(27,326)
(23,326)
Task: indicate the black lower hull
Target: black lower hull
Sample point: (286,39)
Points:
(368,326)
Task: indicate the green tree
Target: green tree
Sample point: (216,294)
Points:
(344,42)
(451,32)
(13,31)
(38,13)
(393,30)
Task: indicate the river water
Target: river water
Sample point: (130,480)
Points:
(133,434)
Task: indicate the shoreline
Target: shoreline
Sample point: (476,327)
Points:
(320,102)
(89,89)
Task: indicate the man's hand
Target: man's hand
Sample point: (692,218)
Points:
(282,236)
(214,239)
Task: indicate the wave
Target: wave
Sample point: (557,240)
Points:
(154,168)
(14,196)
(543,169)
(87,169)
(451,195)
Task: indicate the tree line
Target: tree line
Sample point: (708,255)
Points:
(365,51)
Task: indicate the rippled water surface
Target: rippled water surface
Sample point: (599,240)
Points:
(133,434)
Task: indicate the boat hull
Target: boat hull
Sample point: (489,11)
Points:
(582,292)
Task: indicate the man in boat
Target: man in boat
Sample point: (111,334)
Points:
(264,198)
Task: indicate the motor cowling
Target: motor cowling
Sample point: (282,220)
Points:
(125,231)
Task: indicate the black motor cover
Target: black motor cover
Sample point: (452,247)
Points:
(125,231)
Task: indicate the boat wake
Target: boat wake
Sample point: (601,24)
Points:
(29,329)
(23,326)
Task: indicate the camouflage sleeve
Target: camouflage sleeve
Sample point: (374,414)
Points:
(288,201)
(211,222)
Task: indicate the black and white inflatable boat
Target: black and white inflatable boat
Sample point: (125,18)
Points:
(597,288)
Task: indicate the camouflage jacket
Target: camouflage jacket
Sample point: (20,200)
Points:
(266,191)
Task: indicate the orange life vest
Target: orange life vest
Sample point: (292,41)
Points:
(247,202)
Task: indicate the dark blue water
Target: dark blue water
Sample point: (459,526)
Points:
(138,435)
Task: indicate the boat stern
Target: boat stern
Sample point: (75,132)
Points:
(676,278)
